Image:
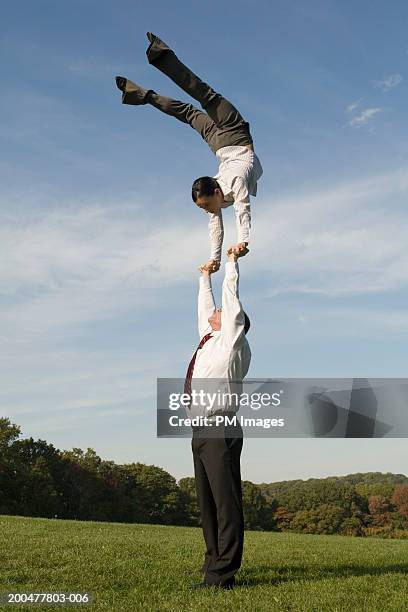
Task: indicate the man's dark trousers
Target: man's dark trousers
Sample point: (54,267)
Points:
(218,484)
(220,126)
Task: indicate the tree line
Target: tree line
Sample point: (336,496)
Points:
(36,479)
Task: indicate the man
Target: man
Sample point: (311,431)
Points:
(224,130)
(224,356)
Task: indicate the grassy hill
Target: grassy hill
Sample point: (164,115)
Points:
(149,567)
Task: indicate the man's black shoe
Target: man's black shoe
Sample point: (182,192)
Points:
(156,48)
(121,83)
(204,585)
(198,586)
(131,92)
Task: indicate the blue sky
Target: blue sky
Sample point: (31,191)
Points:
(100,242)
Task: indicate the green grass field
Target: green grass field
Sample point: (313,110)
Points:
(150,567)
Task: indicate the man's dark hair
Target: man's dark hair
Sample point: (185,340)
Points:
(247,323)
(203,186)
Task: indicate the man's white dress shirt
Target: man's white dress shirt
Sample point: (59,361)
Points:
(238,173)
(224,359)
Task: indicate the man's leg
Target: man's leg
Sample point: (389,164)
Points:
(221,460)
(207,507)
(232,128)
(187,113)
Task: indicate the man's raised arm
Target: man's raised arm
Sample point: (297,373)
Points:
(206,303)
(216,233)
(233,317)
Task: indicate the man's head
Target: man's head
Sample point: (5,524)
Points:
(215,320)
(207,194)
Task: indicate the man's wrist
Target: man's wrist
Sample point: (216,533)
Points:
(231,268)
(210,267)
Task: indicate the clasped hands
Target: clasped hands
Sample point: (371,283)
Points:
(233,252)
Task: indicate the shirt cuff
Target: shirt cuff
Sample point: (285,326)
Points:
(243,235)
(231,268)
(205,280)
(216,254)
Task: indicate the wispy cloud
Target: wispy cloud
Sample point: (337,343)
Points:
(336,241)
(71,266)
(388,82)
(368,318)
(353,106)
(364,117)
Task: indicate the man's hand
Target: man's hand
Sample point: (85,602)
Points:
(239,249)
(232,255)
(210,267)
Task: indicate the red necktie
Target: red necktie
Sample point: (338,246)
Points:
(189,375)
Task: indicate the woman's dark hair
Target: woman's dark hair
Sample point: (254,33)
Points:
(247,323)
(203,186)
